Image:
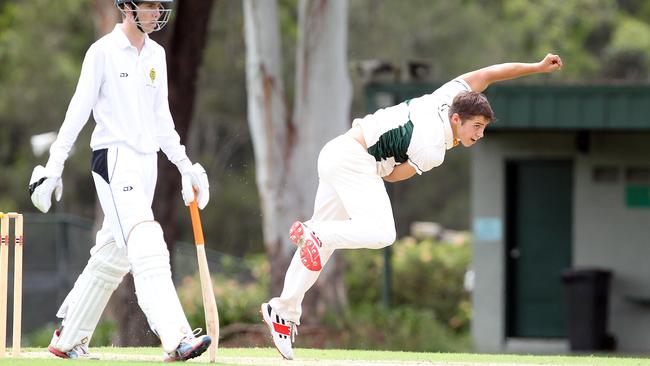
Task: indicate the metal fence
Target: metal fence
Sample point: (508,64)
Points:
(57,248)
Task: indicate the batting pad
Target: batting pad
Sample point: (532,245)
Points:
(149,258)
(84,305)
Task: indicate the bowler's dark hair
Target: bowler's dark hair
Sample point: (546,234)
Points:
(470,104)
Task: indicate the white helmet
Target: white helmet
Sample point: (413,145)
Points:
(164,9)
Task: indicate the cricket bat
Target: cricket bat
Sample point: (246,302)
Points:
(209,302)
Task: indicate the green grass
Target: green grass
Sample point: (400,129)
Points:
(268,356)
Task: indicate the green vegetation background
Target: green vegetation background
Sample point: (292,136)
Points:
(43,42)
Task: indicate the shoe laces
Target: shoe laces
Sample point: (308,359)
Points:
(195,333)
(81,351)
(294,332)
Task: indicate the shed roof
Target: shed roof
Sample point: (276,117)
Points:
(546,107)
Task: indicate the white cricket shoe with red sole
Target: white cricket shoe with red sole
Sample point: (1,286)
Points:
(282,331)
(308,244)
(78,351)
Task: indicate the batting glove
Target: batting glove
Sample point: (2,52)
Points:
(194,178)
(41,186)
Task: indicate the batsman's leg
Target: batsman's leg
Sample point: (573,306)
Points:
(85,303)
(149,258)
(125,181)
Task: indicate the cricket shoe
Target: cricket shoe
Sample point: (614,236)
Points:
(308,244)
(283,331)
(190,347)
(78,351)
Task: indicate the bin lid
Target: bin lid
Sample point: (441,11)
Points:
(586,273)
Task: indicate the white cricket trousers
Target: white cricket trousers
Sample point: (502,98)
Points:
(351,210)
(125,181)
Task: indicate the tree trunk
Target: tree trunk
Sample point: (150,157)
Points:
(104,17)
(272,131)
(286,149)
(322,109)
(185,48)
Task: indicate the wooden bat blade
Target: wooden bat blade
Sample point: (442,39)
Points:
(209,302)
(207,292)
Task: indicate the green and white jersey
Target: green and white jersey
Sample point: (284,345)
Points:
(416,131)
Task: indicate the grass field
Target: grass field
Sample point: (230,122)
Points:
(312,357)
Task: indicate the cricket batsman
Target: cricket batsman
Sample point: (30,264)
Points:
(123,82)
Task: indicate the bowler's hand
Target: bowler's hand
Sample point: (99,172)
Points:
(550,63)
(195,178)
(41,186)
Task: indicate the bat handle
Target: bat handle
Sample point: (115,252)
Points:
(196,222)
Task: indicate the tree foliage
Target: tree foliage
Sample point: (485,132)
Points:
(38,73)
(42,44)
(41,52)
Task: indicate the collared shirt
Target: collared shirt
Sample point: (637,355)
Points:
(127,93)
(416,131)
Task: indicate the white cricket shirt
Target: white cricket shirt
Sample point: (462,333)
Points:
(127,93)
(416,131)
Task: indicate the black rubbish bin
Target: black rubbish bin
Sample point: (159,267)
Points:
(587,295)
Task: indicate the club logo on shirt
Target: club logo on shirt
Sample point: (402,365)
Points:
(127,188)
(124,75)
(152,75)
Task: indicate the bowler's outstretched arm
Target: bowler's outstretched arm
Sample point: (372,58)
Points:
(480,79)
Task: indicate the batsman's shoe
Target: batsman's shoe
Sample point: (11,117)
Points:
(189,348)
(282,331)
(308,244)
(78,351)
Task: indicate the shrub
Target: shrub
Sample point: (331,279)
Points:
(426,275)
(404,328)
(238,300)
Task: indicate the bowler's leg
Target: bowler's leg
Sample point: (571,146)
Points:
(299,279)
(282,314)
(352,174)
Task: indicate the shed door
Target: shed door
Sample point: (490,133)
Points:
(538,246)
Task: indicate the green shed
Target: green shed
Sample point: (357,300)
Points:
(561,181)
